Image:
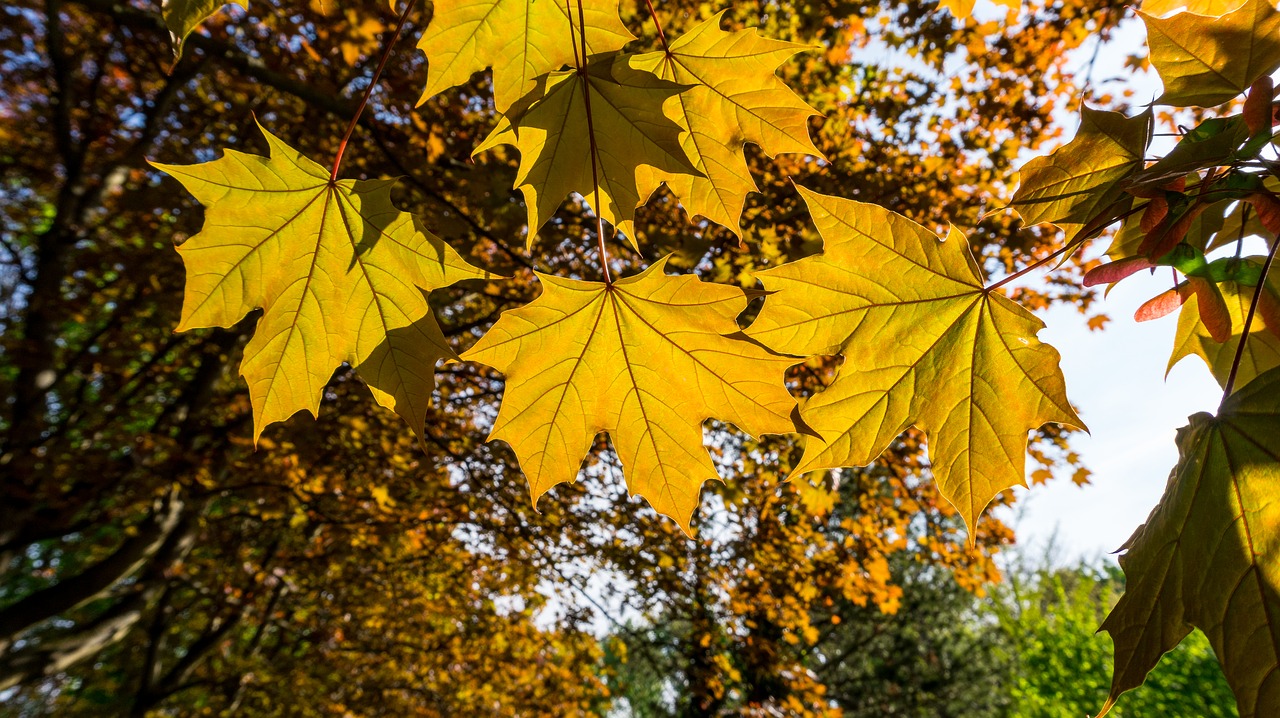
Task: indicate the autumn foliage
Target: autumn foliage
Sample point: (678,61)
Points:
(609,254)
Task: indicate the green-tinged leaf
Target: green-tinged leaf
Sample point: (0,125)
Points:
(1081,178)
(1208,557)
(521,39)
(634,125)
(1213,143)
(647,359)
(733,97)
(338,271)
(1261,351)
(1207,61)
(183,16)
(923,345)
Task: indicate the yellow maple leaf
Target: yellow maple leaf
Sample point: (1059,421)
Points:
(522,39)
(1206,61)
(1208,557)
(733,97)
(633,122)
(339,272)
(647,359)
(924,344)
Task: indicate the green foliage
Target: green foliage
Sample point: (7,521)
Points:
(1058,662)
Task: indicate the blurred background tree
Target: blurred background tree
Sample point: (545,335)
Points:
(153,561)
(1047,616)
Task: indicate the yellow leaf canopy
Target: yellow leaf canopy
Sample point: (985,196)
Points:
(647,359)
(339,272)
(923,344)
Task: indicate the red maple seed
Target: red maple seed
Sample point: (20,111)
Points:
(1116,271)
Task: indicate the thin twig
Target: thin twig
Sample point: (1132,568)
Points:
(662,36)
(373,82)
(1074,244)
(1248,321)
(591,140)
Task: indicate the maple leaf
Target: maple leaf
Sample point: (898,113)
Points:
(183,16)
(1206,61)
(632,119)
(1080,179)
(528,38)
(647,359)
(924,344)
(732,97)
(1262,349)
(1208,555)
(1209,8)
(339,272)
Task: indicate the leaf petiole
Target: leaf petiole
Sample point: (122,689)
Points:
(1248,321)
(368,91)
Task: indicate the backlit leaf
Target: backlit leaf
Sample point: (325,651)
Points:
(1205,61)
(647,359)
(923,344)
(632,122)
(733,97)
(339,272)
(1213,142)
(1077,181)
(521,39)
(1208,557)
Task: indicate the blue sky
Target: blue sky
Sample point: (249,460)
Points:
(1116,378)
